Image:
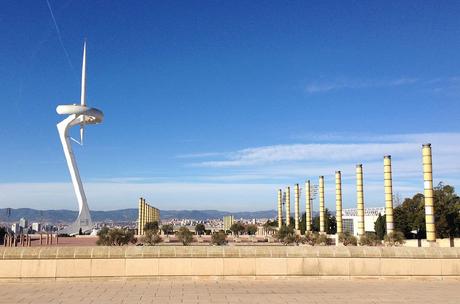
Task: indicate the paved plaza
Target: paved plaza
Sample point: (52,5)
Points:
(232,291)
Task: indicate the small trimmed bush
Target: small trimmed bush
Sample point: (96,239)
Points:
(369,239)
(394,239)
(347,239)
(323,240)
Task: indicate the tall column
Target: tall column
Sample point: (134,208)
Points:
(139,227)
(322,214)
(296,207)
(280,208)
(388,184)
(307,206)
(288,206)
(428,193)
(144,213)
(338,201)
(360,199)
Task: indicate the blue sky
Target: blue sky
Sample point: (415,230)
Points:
(217,104)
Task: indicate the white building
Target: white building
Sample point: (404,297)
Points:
(23,223)
(37,227)
(15,228)
(350,219)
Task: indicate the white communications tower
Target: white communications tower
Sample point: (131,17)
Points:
(79,115)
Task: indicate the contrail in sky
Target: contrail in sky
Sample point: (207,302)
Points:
(59,36)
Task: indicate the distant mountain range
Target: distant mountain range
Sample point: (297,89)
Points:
(122,215)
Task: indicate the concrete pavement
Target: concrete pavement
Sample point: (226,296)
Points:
(293,290)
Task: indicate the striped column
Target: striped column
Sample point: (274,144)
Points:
(307,206)
(288,206)
(321,205)
(388,184)
(428,193)
(280,208)
(360,199)
(296,207)
(144,214)
(140,228)
(338,200)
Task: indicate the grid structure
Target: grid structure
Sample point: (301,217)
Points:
(147,214)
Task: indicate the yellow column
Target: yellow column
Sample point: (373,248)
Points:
(288,206)
(307,206)
(280,208)
(338,200)
(144,213)
(296,207)
(360,199)
(149,219)
(388,184)
(321,206)
(139,227)
(428,193)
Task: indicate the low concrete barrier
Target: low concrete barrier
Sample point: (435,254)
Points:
(252,261)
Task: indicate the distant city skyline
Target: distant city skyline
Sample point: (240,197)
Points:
(218,106)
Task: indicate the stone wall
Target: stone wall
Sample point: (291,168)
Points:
(252,261)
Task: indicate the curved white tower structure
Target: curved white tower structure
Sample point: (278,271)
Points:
(79,115)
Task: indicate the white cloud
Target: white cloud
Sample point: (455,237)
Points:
(400,145)
(247,179)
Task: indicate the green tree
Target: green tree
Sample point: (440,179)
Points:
(410,216)
(329,221)
(219,238)
(200,229)
(447,211)
(380,227)
(251,229)
(167,229)
(237,228)
(184,236)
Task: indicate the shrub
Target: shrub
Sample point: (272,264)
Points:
(151,238)
(369,239)
(286,235)
(219,238)
(310,238)
(347,239)
(322,240)
(184,235)
(115,237)
(394,239)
